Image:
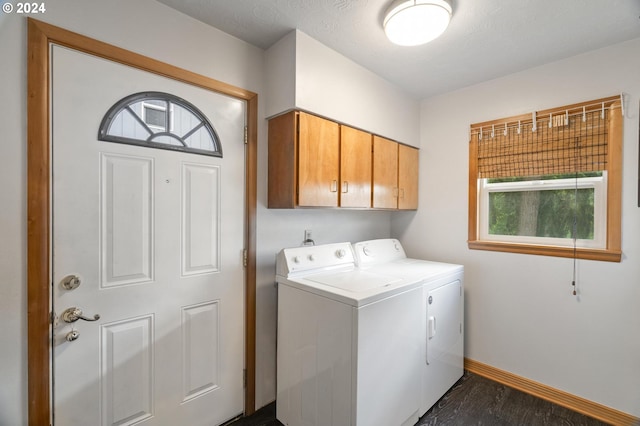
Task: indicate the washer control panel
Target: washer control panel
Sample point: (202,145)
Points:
(374,252)
(314,258)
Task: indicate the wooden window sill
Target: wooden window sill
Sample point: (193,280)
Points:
(580,253)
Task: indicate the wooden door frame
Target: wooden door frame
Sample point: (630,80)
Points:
(40,36)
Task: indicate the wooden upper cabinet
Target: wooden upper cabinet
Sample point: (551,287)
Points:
(355,168)
(385,173)
(304,161)
(318,161)
(408,166)
(315,162)
(282,174)
(395,175)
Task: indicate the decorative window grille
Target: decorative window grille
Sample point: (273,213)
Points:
(160,120)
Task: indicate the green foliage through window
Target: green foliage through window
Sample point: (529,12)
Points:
(544,213)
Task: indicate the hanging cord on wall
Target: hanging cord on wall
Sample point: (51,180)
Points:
(576,153)
(575,233)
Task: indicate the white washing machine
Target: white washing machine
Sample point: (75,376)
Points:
(348,345)
(441,312)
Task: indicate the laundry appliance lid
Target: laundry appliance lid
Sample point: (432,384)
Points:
(356,281)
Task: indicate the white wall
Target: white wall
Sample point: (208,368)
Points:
(520,314)
(280,74)
(331,85)
(13,345)
(328,84)
(191,45)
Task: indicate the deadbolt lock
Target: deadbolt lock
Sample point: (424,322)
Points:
(71,282)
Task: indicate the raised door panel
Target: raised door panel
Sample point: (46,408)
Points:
(385,173)
(355,168)
(407,177)
(318,161)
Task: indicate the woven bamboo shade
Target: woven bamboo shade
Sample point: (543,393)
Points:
(570,140)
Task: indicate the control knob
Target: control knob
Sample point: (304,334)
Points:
(340,253)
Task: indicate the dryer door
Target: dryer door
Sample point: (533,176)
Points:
(444,341)
(444,321)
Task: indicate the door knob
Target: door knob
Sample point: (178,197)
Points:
(74,314)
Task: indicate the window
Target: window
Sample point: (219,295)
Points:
(548,211)
(548,183)
(154,114)
(160,120)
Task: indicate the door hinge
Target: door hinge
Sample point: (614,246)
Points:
(246,135)
(245,257)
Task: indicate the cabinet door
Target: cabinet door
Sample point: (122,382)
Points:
(282,172)
(407,177)
(355,168)
(318,161)
(385,173)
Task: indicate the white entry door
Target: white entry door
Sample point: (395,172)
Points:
(156,239)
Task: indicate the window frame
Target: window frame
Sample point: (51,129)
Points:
(598,184)
(611,251)
(168,117)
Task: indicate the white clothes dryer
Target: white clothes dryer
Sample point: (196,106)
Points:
(441,321)
(347,349)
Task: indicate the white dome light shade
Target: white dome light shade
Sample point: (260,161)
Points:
(414,22)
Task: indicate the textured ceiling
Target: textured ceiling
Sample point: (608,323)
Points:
(486,38)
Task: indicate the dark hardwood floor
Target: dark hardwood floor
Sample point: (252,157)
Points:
(473,400)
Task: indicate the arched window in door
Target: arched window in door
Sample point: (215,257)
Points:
(160,120)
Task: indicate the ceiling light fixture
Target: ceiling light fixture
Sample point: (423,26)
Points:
(414,22)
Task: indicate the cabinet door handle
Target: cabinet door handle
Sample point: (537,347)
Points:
(334,186)
(345,187)
(402,193)
(396,192)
